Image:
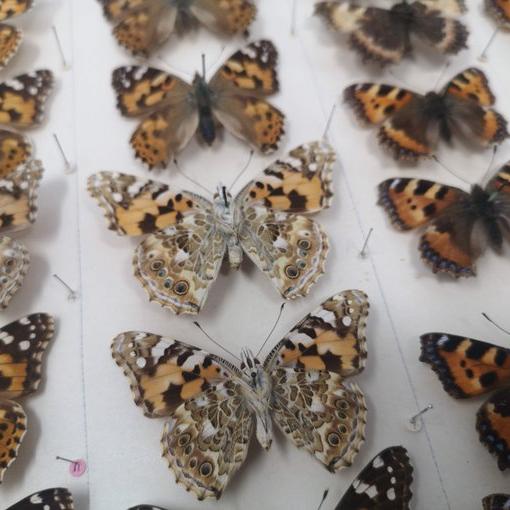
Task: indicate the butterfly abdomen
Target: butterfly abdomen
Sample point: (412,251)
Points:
(207,123)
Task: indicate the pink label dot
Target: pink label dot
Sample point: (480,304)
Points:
(78,468)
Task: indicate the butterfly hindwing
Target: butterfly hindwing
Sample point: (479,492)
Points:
(496,502)
(331,338)
(15,150)
(493,425)
(49,499)
(13,427)
(298,183)
(466,367)
(163,373)
(384,484)
(10,40)
(14,263)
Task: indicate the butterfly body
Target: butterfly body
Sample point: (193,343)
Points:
(203,96)
(214,407)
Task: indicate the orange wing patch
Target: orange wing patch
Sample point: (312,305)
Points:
(375,103)
(228,16)
(403,145)
(494,128)
(500,10)
(466,367)
(473,85)
(10,40)
(12,430)
(493,425)
(330,338)
(163,373)
(15,150)
(12,8)
(411,203)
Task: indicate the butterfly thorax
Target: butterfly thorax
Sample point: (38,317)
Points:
(436,108)
(224,213)
(257,390)
(483,206)
(404,12)
(203,98)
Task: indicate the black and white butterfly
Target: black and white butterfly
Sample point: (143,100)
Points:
(49,499)
(384,484)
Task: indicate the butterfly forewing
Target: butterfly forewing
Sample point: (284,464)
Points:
(49,499)
(299,183)
(331,338)
(14,263)
(496,502)
(384,484)
(466,367)
(163,373)
(13,426)
(493,425)
(227,17)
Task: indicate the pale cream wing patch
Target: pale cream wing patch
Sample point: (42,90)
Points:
(14,264)
(290,249)
(317,412)
(206,440)
(177,265)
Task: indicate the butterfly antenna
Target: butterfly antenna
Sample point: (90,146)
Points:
(441,74)
(215,342)
(491,163)
(495,323)
(223,48)
(329,122)
(440,163)
(324,496)
(483,56)
(196,183)
(250,157)
(272,329)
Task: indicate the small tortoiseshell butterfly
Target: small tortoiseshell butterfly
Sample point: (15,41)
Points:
(142,26)
(467,368)
(173,111)
(49,499)
(457,224)
(384,484)
(496,502)
(412,123)
(385,35)
(500,11)
(22,346)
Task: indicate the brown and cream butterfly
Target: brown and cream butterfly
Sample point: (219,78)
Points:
(412,123)
(468,368)
(385,35)
(173,111)
(458,224)
(142,26)
(213,407)
(22,346)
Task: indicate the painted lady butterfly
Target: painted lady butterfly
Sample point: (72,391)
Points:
(384,35)
(500,11)
(173,110)
(467,368)
(384,484)
(49,499)
(497,502)
(213,406)
(10,36)
(22,346)
(141,26)
(189,236)
(458,224)
(408,119)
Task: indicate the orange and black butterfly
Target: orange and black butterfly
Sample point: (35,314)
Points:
(141,26)
(385,35)
(412,123)
(496,502)
(467,368)
(173,111)
(457,224)
(22,346)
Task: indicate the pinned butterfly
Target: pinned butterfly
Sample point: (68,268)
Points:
(385,36)
(468,368)
(412,123)
(458,225)
(142,26)
(173,111)
(384,484)
(22,102)
(189,236)
(11,36)
(49,499)
(22,346)
(213,407)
